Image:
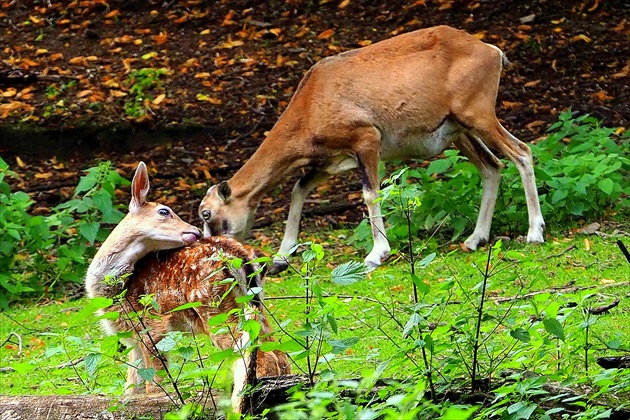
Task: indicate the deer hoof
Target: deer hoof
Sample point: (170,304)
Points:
(535,238)
(475,242)
(278,267)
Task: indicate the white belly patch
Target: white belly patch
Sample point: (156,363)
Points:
(418,143)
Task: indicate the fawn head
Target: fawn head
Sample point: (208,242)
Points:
(155,225)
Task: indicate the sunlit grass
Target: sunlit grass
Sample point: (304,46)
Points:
(373,310)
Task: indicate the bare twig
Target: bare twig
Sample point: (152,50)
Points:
(70,363)
(19,338)
(601,310)
(560,290)
(559,254)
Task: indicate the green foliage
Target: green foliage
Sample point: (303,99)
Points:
(141,83)
(37,252)
(583,172)
(363,340)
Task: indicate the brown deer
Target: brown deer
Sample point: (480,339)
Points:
(184,270)
(407,97)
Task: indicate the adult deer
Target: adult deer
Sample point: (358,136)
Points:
(410,96)
(185,270)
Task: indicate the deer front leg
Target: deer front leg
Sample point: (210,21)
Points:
(300,191)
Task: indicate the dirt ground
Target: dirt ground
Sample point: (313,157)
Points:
(232,66)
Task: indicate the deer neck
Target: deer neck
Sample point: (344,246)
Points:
(271,164)
(113,262)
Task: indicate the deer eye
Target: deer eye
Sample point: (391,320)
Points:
(163,212)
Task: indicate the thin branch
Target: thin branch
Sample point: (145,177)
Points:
(561,253)
(559,290)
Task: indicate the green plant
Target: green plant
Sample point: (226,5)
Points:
(37,252)
(141,83)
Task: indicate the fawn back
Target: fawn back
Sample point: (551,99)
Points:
(201,273)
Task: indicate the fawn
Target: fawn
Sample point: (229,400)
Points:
(186,269)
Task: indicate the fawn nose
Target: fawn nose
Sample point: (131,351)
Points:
(205,214)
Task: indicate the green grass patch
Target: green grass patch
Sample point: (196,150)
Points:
(371,318)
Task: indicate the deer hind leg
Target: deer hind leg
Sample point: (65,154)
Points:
(134,380)
(151,356)
(368,154)
(496,137)
(300,191)
(489,167)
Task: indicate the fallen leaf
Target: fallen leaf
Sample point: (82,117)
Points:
(117,93)
(511,105)
(20,162)
(9,93)
(159,99)
(534,124)
(206,98)
(78,61)
(344,4)
(161,38)
(112,14)
(581,37)
(326,34)
(84,93)
(532,83)
(44,175)
(602,95)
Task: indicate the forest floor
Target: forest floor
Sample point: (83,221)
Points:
(232,66)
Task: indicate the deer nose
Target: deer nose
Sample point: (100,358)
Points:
(205,214)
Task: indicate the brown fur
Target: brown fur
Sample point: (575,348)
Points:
(197,273)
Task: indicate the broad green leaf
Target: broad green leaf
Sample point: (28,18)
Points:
(426,260)
(606,186)
(349,273)
(414,320)
(558,196)
(438,166)
(89,230)
(339,346)
(520,334)
(91,361)
(188,305)
(166,344)
(554,327)
(217,320)
(458,413)
(146,373)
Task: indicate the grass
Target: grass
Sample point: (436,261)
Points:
(373,311)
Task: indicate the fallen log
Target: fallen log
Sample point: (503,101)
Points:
(269,392)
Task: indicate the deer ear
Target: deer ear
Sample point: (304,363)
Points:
(224,191)
(139,187)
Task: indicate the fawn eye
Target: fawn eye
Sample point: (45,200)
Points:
(163,212)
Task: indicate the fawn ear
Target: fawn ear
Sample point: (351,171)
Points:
(139,187)
(224,191)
